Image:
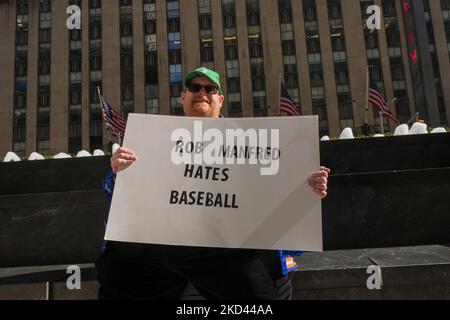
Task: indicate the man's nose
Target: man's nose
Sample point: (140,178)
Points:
(202,91)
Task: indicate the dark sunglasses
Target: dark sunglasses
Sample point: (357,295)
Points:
(196,88)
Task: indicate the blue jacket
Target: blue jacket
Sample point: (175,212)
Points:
(286,257)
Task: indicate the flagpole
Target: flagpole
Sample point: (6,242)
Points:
(381,122)
(99,93)
(367,95)
(366,109)
(103,111)
(413,118)
(367,103)
(280,76)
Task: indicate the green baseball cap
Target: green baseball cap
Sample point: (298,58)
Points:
(204,72)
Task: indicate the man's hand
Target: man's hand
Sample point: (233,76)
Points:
(122,159)
(318,181)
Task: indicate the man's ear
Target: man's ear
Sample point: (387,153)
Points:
(222,100)
(182,95)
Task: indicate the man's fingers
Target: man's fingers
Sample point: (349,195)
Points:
(118,164)
(321,180)
(122,159)
(322,194)
(121,164)
(318,181)
(319,174)
(322,173)
(124,150)
(325,169)
(126,156)
(320,188)
(313,182)
(123,156)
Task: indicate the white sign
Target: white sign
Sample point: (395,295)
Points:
(256,198)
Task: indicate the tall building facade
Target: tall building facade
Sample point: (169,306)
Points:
(137,52)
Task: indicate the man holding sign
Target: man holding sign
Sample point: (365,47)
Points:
(151,271)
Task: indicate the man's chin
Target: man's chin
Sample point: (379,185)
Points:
(200,108)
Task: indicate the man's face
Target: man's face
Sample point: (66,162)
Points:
(202,104)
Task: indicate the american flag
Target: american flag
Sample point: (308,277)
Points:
(113,119)
(377,99)
(286,103)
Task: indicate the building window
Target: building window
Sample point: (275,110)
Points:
(173,9)
(95,30)
(175,73)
